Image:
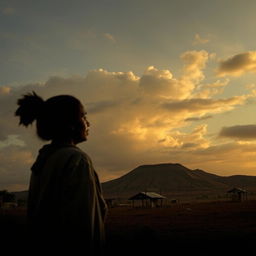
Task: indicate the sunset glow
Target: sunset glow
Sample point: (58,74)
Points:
(161,81)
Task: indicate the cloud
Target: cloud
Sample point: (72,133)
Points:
(222,159)
(207,91)
(195,62)
(240,132)
(161,83)
(238,64)
(199,40)
(82,39)
(218,84)
(11,140)
(198,150)
(203,106)
(190,141)
(198,118)
(134,119)
(109,37)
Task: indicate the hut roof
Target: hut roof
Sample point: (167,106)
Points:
(146,195)
(237,190)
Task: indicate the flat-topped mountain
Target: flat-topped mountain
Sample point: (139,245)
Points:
(169,178)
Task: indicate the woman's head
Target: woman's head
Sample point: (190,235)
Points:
(60,118)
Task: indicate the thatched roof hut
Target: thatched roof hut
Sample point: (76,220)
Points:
(237,194)
(148,199)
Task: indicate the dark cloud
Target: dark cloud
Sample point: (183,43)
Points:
(242,132)
(201,105)
(238,64)
(197,118)
(189,146)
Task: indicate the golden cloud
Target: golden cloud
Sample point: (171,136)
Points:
(195,62)
(160,83)
(134,119)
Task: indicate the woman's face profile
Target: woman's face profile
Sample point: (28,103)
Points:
(82,128)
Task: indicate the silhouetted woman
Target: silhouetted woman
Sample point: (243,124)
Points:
(66,210)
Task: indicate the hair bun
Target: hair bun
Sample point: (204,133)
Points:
(29,108)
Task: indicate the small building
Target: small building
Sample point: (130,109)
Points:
(238,194)
(148,199)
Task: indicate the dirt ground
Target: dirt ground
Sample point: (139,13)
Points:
(209,228)
(194,228)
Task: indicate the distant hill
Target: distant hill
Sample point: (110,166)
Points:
(173,179)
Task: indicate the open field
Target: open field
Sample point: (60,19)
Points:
(198,228)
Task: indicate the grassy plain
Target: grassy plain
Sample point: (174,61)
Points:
(221,227)
(209,228)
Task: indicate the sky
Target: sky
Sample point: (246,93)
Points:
(166,81)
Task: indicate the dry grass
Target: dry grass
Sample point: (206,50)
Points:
(211,228)
(191,227)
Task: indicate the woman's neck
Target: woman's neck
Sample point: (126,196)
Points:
(63,142)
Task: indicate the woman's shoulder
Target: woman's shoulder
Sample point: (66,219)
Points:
(73,152)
